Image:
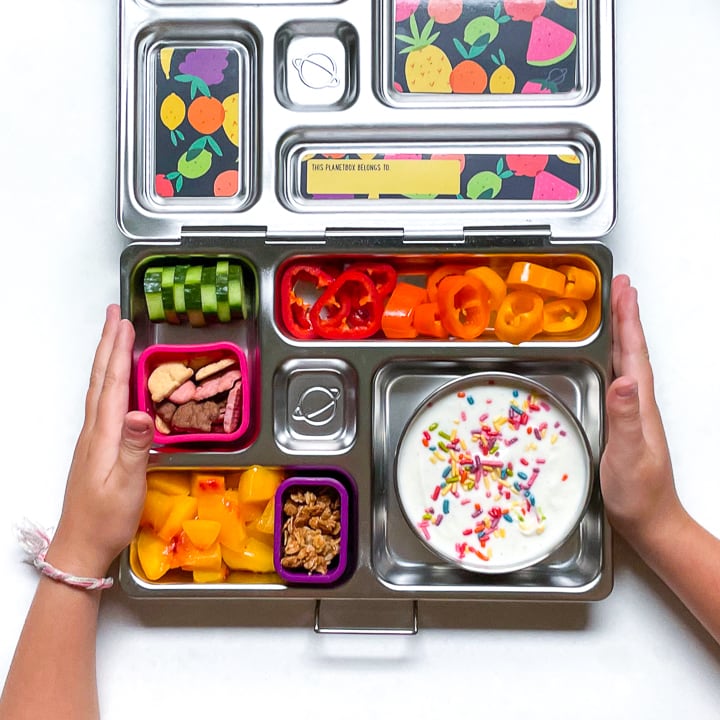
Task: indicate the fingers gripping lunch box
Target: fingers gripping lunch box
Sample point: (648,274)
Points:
(385,220)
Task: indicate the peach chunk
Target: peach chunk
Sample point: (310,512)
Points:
(156,509)
(266,522)
(257,483)
(202,483)
(154,554)
(183,507)
(227,512)
(202,533)
(211,576)
(170,482)
(254,555)
(189,557)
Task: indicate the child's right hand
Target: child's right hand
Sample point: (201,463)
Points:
(106,485)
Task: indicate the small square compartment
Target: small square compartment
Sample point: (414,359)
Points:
(191,355)
(337,566)
(315,402)
(317,65)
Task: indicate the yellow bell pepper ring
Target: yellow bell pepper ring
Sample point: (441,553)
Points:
(531,276)
(562,316)
(579,283)
(519,317)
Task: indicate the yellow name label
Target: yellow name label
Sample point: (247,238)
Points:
(375,177)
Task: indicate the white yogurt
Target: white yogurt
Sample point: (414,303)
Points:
(493,474)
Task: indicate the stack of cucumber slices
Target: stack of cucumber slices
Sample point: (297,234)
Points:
(198,293)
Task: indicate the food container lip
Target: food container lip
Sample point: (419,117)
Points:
(300,576)
(167,351)
(487,377)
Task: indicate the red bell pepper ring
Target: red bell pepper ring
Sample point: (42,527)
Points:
(382,274)
(300,287)
(350,309)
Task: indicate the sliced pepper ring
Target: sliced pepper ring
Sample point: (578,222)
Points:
(398,315)
(463,305)
(350,309)
(519,317)
(300,286)
(382,274)
(562,316)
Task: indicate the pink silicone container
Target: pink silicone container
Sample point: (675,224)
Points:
(338,565)
(155,355)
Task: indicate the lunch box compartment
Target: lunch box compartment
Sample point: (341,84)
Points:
(400,559)
(316,63)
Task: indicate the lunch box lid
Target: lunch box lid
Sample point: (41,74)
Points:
(304,124)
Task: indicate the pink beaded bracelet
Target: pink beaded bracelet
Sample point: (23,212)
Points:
(36,541)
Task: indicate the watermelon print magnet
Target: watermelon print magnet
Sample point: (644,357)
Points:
(197,122)
(486,47)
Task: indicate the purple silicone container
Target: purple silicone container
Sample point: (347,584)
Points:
(300,576)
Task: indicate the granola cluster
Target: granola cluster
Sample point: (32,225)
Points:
(311,533)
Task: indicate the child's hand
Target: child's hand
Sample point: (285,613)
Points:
(635,472)
(106,485)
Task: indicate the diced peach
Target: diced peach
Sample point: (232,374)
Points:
(184,507)
(251,512)
(156,509)
(254,555)
(257,483)
(202,533)
(202,483)
(266,521)
(154,554)
(189,557)
(170,482)
(211,576)
(222,509)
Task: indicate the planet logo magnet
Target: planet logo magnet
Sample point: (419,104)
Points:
(317,406)
(317,71)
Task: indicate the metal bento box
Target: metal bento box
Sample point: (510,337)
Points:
(369,200)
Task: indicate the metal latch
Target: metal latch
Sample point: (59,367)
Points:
(507,237)
(215,232)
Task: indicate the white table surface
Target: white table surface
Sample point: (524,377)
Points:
(636,654)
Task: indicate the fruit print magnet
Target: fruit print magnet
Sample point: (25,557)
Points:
(486,47)
(197,122)
(545,174)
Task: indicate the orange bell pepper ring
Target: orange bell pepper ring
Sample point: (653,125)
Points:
(437,275)
(579,283)
(463,306)
(427,320)
(494,283)
(531,276)
(397,317)
(566,315)
(519,317)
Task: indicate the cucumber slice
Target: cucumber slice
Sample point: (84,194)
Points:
(179,288)
(222,270)
(152,286)
(208,291)
(237,297)
(167,288)
(192,290)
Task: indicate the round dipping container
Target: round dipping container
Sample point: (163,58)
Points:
(493,472)
(194,356)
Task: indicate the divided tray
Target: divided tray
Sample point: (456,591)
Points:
(329,133)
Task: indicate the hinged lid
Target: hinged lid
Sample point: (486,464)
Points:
(255,118)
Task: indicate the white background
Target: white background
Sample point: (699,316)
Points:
(636,654)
